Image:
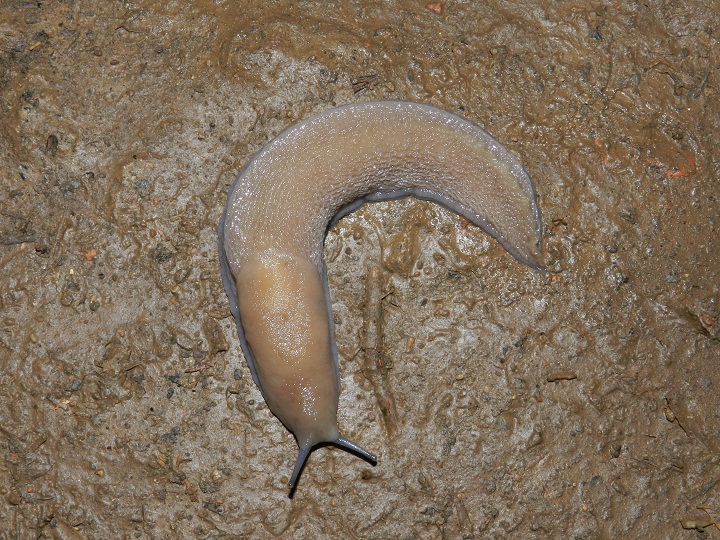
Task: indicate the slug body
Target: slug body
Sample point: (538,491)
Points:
(282,203)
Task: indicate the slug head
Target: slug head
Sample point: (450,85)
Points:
(285,321)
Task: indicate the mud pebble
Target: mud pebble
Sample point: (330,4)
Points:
(171,436)
(143,188)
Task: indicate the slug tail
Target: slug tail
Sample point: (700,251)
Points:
(342,442)
(299,464)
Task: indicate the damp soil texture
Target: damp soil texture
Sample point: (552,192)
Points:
(502,402)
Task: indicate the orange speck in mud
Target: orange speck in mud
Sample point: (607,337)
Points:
(90,255)
(437,7)
(683,169)
(707,319)
(602,149)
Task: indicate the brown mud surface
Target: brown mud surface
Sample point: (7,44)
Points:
(503,403)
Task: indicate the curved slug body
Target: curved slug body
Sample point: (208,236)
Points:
(279,209)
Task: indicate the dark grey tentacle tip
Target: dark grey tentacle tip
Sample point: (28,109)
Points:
(540,267)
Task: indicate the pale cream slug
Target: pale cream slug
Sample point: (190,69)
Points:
(282,203)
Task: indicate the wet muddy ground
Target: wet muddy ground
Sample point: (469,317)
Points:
(503,403)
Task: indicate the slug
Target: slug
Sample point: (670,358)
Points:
(285,198)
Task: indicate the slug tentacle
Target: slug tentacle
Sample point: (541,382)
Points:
(303,454)
(340,441)
(282,202)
